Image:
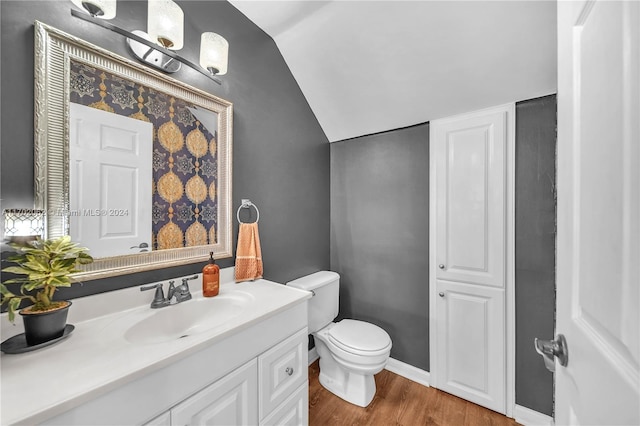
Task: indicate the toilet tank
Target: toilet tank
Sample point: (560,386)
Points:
(323,306)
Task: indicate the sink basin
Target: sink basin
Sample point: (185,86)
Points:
(187,318)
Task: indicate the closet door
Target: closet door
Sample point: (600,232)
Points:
(470,173)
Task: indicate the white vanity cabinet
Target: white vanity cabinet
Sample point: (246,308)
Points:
(271,389)
(252,374)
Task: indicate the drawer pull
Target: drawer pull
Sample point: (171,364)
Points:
(289,371)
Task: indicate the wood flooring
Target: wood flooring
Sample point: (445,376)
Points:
(398,401)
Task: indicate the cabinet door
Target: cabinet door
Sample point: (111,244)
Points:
(470,339)
(293,412)
(470,197)
(232,400)
(282,369)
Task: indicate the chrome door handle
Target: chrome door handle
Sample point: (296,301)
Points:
(551,349)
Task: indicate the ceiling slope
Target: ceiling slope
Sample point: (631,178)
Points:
(371,66)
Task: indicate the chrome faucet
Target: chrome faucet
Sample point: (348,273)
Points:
(181,293)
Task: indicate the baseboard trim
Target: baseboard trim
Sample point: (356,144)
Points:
(407,371)
(528,417)
(313,355)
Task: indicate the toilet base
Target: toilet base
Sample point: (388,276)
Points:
(358,389)
(355,389)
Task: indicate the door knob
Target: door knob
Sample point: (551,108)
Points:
(441,294)
(441,266)
(289,371)
(551,349)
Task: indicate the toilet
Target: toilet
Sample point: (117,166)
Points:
(350,351)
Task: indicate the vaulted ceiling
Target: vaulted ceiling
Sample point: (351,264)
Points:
(371,66)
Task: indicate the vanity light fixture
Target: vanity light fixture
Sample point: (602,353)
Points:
(165,34)
(23,225)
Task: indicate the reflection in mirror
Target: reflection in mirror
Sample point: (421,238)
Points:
(131,163)
(143,166)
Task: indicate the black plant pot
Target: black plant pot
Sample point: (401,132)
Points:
(40,327)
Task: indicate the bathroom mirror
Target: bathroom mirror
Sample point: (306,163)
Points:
(131,163)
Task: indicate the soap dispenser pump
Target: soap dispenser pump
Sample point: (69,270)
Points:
(210,278)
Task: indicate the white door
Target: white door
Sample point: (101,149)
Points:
(232,400)
(598,212)
(469,163)
(110,181)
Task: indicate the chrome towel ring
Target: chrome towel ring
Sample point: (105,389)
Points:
(245,205)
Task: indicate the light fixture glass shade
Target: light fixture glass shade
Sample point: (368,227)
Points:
(165,23)
(214,53)
(104,9)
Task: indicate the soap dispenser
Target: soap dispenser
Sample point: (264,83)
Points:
(210,278)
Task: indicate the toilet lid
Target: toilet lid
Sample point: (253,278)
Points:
(359,336)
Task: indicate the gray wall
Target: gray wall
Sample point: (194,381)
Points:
(280,153)
(379,240)
(380,235)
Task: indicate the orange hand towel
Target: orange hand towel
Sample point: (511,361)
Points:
(248,253)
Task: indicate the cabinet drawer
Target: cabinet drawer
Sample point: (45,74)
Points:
(282,369)
(293,412)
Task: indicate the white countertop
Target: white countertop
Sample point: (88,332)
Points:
(97,358)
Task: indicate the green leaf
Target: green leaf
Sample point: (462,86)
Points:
(14,305)
(16,270)
(5,291)
(56,282)
(36,265)
(17,280)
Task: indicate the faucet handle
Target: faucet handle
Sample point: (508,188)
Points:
(185,283)
(184,293)
(158,299)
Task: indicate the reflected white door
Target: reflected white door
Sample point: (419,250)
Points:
(598,270)
(469,162)
(110,179)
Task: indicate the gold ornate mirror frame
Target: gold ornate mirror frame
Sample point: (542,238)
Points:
(54,50)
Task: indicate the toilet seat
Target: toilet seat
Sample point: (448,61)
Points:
(359,338)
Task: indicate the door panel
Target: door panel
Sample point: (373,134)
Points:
(110,181)
(472,337)
(598,212)
(470,186)
(232,400)
(118,188)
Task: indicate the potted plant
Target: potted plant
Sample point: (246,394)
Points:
(46,265)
